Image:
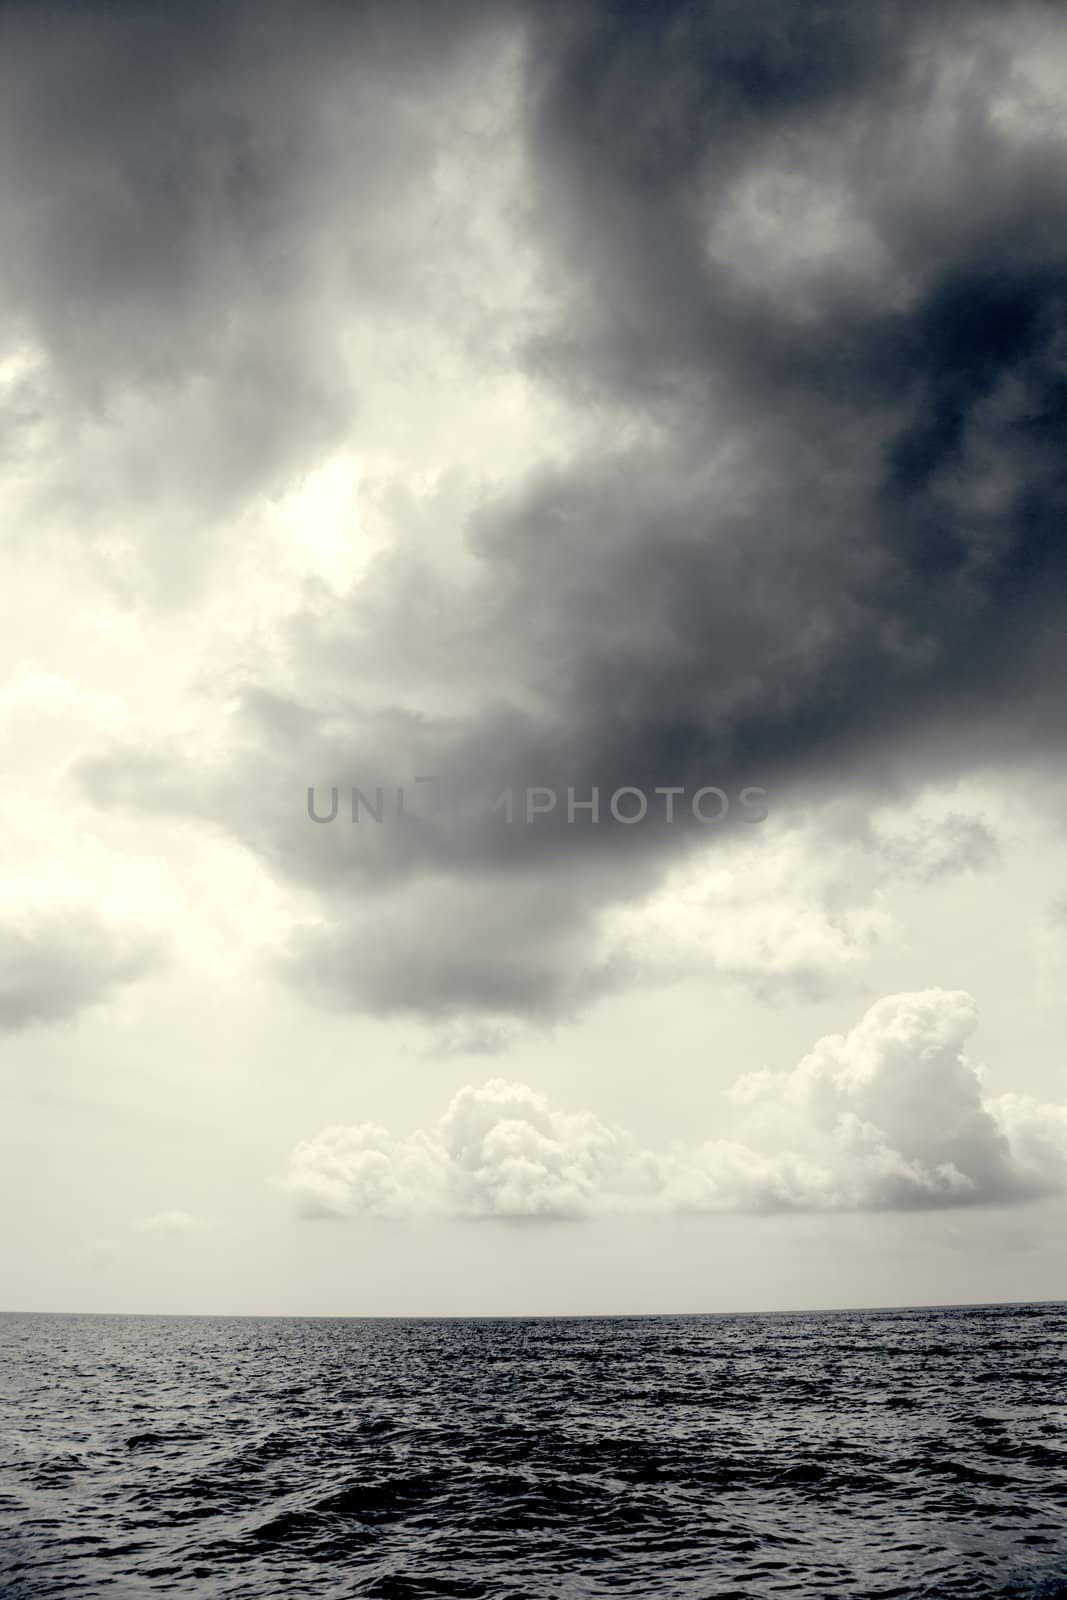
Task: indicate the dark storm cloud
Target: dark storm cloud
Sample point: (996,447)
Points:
(900,558)
(816,256)
(192,196)
(923,409)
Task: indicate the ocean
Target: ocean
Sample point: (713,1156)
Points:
(918,1453)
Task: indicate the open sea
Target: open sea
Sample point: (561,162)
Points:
(917,1453)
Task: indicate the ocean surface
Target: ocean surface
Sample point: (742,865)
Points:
(905,1453)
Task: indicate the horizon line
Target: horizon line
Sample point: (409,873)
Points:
(541,1316)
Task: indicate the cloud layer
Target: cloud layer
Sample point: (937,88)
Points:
(890,1116)
(775,301)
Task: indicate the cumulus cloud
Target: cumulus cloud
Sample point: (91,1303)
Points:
(889,1116)
(58,960)
(499,1151)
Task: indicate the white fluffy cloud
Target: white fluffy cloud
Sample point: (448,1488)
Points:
(500,1150)
(889,1116)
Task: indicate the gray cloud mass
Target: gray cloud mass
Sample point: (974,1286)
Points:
(805,272)
(56,962)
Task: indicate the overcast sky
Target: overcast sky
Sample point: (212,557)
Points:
(657,402)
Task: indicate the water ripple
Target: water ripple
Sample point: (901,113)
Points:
(918,1454)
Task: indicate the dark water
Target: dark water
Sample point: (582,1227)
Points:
(917,1453)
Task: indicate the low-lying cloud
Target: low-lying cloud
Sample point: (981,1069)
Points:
(891,1116)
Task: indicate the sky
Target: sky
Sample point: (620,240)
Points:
(533,598)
